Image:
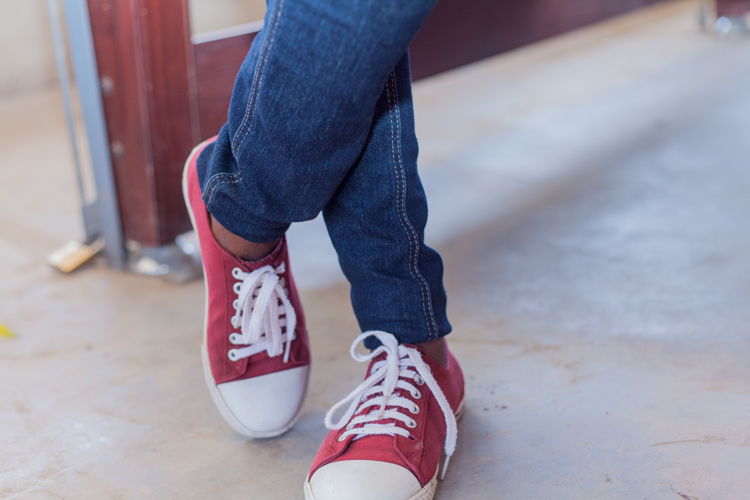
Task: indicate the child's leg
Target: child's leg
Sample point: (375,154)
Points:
(377,220)
(302,109)
(320,118)
(388,435)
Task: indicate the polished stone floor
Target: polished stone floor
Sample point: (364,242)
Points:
(590,197)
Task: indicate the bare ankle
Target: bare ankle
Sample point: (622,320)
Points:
(436,350)
(238,246)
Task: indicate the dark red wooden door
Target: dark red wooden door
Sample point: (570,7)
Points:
(732,7)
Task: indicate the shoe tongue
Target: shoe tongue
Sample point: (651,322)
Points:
(369,409)
(379,440)
(379,357)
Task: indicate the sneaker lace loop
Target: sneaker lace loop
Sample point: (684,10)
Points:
(402,368)
(263,313)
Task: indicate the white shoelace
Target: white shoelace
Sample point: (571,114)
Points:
(263,313)
(402,368)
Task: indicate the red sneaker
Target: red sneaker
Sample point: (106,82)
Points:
(256,358)
(388,443)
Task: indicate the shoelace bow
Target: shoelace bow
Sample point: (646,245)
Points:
(263,313)
(402,368)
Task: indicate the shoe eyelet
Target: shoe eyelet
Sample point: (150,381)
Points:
(418,380)
(416,394)
(415,410)
(232,355)
(236,272)
(235,338)
(236,288)
(411,424)
(341,438)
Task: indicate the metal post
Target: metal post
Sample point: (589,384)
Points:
(89,209)
(89,91)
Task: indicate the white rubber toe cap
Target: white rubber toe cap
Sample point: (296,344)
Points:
(263,406)
(362,480)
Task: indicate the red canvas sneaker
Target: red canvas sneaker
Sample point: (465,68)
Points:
(388,443)
(256,358)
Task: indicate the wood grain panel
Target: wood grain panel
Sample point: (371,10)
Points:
(732,7)
(116,36)
(145,61)
(458,32)
(171,94)
(217,63)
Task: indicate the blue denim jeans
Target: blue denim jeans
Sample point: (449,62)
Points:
(321,119)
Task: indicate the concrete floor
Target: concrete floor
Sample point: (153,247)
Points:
(598,270)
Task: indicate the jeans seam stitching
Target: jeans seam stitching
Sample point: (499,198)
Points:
(406,224)
(219,184)
(258,78)
(214,183)
(401,187)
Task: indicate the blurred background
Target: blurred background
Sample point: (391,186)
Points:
(587,168)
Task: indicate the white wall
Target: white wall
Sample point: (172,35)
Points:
(208,15)
(26,54)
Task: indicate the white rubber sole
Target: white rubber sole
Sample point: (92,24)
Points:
(428,490)
(221,405)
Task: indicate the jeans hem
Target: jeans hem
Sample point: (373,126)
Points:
(238,221)
(372,343)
